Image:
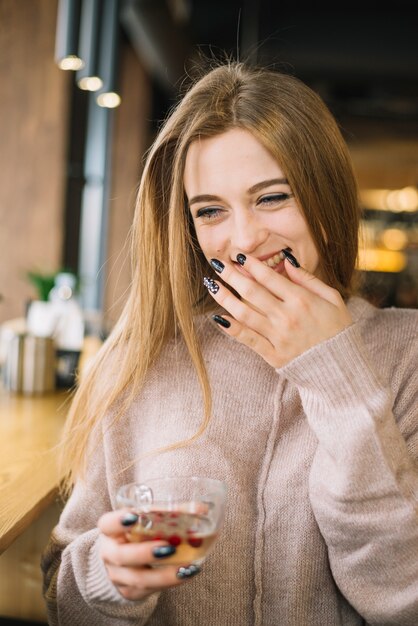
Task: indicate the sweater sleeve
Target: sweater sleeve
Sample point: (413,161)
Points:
(77,589)
(364,478)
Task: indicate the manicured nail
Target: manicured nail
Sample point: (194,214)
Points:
(211,285)
(129,519)
(217,265)
(241,258)
(188,572)
(221,321)
(163,551)
(290,258)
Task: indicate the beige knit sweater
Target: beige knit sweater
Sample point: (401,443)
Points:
(322,520)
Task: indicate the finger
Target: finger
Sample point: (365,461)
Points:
(301,276)
(273,281)
(138,583)
(284,288)
(249,338)
(256,292)
(135,554)
(116,523)
(148,580)
(239,309)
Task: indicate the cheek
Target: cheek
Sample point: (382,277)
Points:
(205,245)
(293,226)
(284,222)
(202,239)
(210,241)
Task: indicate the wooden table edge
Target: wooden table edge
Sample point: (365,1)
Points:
(27,519)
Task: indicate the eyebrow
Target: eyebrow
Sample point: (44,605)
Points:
(267,183)
(257,187)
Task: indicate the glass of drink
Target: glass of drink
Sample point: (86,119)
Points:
(185,511)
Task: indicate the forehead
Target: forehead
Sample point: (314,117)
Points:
(234,156)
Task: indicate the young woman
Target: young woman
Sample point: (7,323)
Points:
(242,355)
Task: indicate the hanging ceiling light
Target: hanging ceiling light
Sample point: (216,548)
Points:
(66,40)
(109,42)
(88,77)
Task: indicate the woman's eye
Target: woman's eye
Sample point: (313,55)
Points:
(274,198)
(208,213)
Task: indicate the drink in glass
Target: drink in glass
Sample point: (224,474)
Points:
(185,511)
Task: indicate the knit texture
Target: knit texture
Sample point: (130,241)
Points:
(319,456)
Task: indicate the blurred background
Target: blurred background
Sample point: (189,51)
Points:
(69,167)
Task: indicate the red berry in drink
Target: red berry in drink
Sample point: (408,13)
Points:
(195,542)
(174,540)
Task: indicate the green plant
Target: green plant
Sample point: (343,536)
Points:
(43,283)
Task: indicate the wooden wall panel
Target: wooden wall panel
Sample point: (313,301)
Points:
(131,139)
(33,128)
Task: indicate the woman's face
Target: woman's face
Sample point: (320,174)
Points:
(240,201)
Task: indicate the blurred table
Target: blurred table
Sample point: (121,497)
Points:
(30,427)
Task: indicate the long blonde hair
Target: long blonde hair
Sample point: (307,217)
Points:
(167,290)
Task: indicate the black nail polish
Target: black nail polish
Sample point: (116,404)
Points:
(241,258)
(188,572)
(290,258)
(162,552)
(217,265)
(211,285)
(221,321)
(129,519)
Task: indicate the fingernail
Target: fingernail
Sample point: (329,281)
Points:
(188,572)
(163,551)
(241,258)
(221,321)
(217,265)
(129,519)
(211,285)
(290,258)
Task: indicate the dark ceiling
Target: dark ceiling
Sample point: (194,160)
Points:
(362,58)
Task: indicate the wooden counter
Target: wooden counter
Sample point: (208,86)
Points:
(29,429)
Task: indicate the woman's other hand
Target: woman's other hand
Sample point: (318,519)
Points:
(129,564)
(279,316)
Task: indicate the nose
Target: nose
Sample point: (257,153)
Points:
(248,233)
